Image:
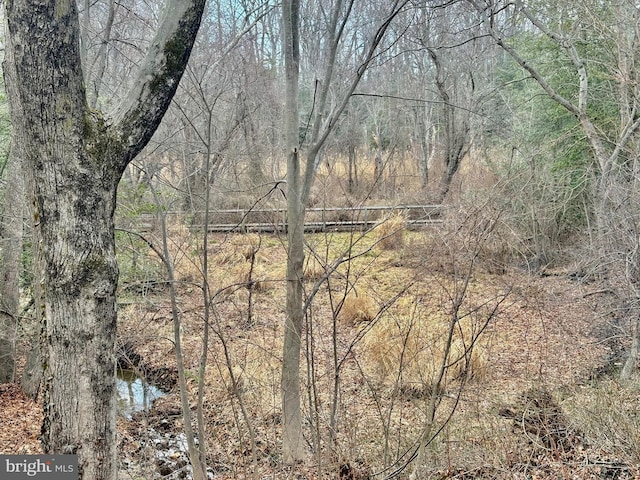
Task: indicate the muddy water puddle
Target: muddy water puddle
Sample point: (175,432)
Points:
(134,393)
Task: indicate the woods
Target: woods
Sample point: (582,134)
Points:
(512,127)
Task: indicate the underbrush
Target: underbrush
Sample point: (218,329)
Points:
(421,335)
(608,413)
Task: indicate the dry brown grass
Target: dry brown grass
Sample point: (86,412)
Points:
(358,309)
(390,233)
(247,245)
(386,375)
(253,275)
(413,348)
(404,348)
(238,260)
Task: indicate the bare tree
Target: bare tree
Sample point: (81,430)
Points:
(613,142)
(300,180)
(457,54)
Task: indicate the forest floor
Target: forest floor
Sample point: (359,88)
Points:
(537,398)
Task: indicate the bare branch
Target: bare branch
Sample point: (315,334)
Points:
(139,115)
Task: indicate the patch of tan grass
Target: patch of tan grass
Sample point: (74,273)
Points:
(243,259)
(390,232)
(413,348)
(256,376)
(247,245)
(358,309)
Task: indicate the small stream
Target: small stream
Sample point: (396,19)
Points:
(167,449)
(134,394)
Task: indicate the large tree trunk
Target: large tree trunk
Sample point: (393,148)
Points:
(76,159)
(73,215)
(79,255)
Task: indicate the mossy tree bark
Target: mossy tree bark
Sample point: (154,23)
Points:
(76,158)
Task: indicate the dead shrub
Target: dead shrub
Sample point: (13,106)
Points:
(414,348)
(390,232)
(472,234)
(358,309)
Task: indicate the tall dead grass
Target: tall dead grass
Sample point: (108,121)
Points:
(412,349)
(390,233)
(358,309)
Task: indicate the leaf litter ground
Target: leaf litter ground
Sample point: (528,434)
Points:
(545,336)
